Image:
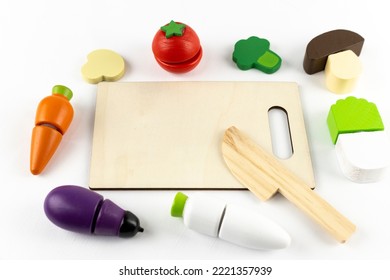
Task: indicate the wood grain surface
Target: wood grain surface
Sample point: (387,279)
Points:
(167,135)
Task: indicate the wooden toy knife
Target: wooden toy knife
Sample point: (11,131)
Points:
(264,175)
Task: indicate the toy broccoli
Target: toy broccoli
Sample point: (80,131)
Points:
(254,52)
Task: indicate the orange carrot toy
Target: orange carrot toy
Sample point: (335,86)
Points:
(53,117)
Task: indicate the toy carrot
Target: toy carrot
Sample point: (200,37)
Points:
(53,117)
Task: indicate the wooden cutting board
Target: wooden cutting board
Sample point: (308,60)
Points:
(168,135)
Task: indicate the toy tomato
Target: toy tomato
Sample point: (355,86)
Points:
(176,47)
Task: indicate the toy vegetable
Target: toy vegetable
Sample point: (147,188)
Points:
(236,224)
(321,47)
(53,117)
(176,47)
(103,65)
(254,52)
(80,210)
(337,52)
(361,143)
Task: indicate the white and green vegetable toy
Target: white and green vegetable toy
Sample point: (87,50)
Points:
(236,224)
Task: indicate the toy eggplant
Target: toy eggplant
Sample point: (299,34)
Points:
(80,210)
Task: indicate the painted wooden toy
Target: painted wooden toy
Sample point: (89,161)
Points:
(361,144)
(342,71)
(103,65)
(236,224)
(53,118)
(320,47)
(176,47)
(264,176)
(254,52)
(80,210)
(337,53)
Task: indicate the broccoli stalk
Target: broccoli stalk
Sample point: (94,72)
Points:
(254,52)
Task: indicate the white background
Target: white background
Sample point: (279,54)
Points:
(43,43)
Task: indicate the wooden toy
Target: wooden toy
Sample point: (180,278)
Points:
(53,117)
(103,65)
(352,115)
(320,47)
(254,52)
(176,47)
(80,210)
(264,175)
(362,147)
(166,135)
(342,71)
(237,224)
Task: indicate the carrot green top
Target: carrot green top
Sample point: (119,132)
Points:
(63,90)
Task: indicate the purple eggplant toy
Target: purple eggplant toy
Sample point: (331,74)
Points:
(80,210)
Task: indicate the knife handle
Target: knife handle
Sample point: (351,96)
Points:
(319,210)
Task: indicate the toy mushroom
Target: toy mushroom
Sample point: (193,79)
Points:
(337,52)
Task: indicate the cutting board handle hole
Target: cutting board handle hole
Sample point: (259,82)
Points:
(282,146)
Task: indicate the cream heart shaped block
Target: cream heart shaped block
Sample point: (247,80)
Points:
(233,223)
(362,146)
(103,65)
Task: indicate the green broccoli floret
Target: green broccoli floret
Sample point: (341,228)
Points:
(254,52)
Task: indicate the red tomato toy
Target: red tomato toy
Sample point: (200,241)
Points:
(176,47)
